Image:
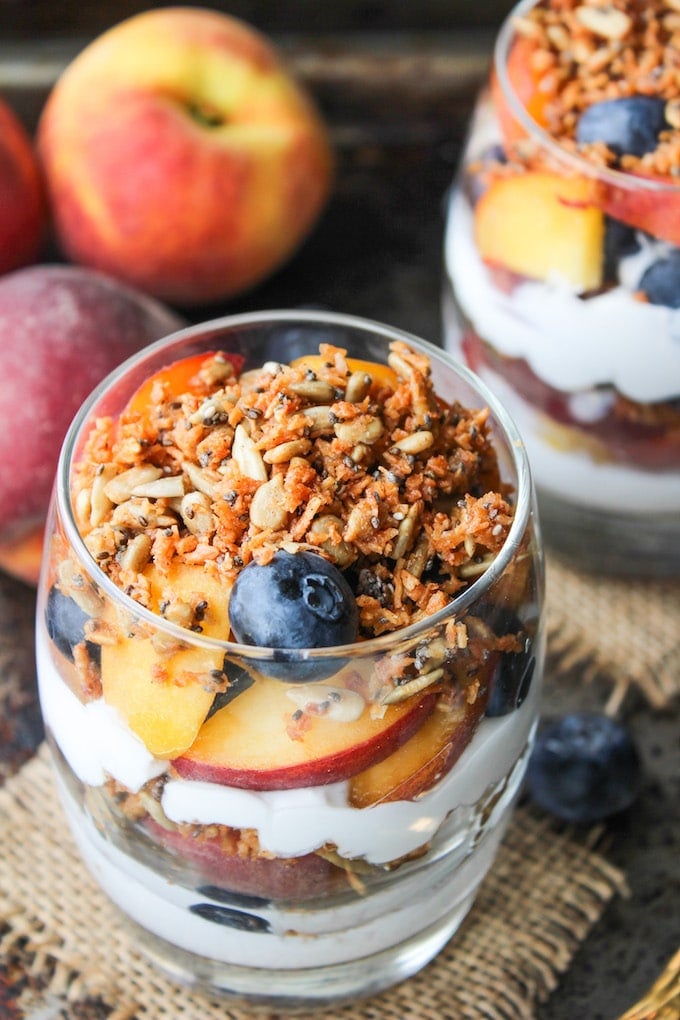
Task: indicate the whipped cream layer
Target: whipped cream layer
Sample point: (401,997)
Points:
(97,743)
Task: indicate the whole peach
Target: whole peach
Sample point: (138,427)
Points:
(23,213)
(182,157)
(63,329)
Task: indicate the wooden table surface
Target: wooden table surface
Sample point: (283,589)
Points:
(397,92)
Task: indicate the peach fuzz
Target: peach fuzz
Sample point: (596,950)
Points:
(23,211)
(181,156)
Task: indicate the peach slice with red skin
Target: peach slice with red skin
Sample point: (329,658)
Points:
(276,878)
(165,697)
(252,744)
(538,224)
(425,758)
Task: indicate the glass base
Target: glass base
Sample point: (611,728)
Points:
(152,921)
(608,543)
(298,991)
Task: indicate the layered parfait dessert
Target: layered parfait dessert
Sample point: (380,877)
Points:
(564,267)
(289,654)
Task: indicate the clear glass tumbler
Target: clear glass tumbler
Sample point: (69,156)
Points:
(563,271)
(290,827)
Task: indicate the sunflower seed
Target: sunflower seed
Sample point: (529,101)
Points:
(608,22)
(247,456)
(268,508)
(340,552)
(417,442)
(411,687)
(360,430)
(122,486)
(358,385)
(320,420)
(202,480)
(284,452)
(406,534)
(196,513)
(137,553)
(169,487)
(314,389)
(100,503)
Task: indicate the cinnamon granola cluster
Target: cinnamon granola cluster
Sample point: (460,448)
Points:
(365,465)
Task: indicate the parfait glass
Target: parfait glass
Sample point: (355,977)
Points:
(562,283)
(284,868)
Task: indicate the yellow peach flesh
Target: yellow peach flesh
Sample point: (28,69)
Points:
(164,698)
(542,225)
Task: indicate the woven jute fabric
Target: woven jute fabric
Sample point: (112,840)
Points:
(543,895)
(626,630)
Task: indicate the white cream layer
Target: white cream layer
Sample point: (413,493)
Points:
(96,743)
(574,476)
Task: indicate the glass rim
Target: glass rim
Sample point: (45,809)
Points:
(608,175)
(390,641)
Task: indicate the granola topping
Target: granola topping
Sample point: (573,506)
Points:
(366,466)
(583,53)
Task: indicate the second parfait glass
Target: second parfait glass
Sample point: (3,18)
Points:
(563,271)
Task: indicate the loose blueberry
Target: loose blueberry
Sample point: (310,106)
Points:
(661,281)
(65,622)
(230,918)
(620,240)
(628,126)
(297,600)
(584,768)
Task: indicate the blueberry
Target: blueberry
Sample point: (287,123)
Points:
(233,899)
(230,917)
(628,126)
(65,622)
(661,280)
(511,682)
(584,768)
(476,178)
(297,600)
(239,681)
(620,240)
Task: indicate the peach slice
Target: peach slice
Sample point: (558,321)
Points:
(164,698)
(382,374)
(526,85)
(233,876)
(178,377)
(429,754)
(539,224)
(253,743)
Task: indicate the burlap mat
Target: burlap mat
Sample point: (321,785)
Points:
(540,900)
(627,630)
